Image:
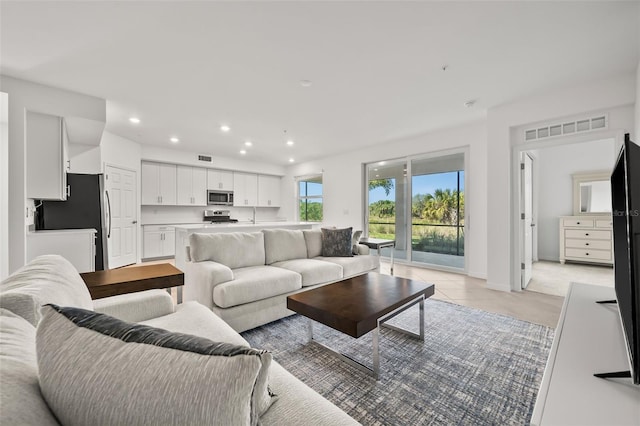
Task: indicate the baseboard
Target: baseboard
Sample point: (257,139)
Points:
(480,275)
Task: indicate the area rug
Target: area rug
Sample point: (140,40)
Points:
(474,367)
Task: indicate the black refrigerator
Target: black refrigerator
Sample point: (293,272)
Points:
(83,209)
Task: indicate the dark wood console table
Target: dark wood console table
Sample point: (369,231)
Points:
(113,282)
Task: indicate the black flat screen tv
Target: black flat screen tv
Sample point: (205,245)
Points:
(625,200)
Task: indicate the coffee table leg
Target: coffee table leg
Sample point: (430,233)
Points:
(310,329)
(376,353)
(179,294)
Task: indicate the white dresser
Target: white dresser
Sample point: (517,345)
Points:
(586,239)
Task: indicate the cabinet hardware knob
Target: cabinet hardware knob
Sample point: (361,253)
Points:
(586,244)
(587,234)
(578,223)
(587,254)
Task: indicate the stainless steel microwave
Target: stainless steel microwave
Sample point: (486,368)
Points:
(219,198)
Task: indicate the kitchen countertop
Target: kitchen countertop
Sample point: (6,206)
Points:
(207,225)
(63,231)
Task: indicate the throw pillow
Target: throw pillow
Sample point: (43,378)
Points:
(337,242)
(356,240)
(96,369)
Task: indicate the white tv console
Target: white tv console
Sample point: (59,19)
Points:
(588,340)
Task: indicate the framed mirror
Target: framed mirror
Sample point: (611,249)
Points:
(591,193)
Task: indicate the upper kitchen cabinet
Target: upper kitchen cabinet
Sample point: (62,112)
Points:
(219,179)
(268,191)
(158,184)
(245,190)
(47,156)
(192,186)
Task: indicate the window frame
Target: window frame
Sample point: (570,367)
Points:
(299,197)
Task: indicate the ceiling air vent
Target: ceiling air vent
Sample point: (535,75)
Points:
(206,158)
(572,127)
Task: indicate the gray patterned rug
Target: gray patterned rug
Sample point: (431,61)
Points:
(474,368)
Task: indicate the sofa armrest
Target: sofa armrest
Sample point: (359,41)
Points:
(136,307)
(200,278)
(362,249)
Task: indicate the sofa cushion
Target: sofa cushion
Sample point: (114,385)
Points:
(284,244)
(337,242)
(255,283)
(352,266)
(313,271)
(216,380)
(194,318)
(46,279)
(313,239)
(233,249)
(21,402)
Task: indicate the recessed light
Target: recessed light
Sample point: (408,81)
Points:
(225,128)
(305,83)
(382,163)
(134,120)
(290,142)
(248,143)
(174,140)
(377,175)
(375,170)
(243,152)
(291,160)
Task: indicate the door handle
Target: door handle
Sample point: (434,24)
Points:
(134,222)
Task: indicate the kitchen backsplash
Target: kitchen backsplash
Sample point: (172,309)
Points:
(159,215)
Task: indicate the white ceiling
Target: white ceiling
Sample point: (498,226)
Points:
(185,68)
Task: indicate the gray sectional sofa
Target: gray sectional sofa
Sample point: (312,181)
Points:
(245,278)
(52,279)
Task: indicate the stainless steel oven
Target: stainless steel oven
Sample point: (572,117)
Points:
(219,198)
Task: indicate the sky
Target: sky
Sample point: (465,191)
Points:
(423,184)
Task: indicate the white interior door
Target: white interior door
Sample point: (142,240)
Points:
(526,216)
(122,219)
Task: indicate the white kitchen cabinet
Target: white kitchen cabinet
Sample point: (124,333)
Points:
(245,189)
(159,182)
(191,186)
(268,191)
(78,246)
(158,241)
(47,156)
(219,180)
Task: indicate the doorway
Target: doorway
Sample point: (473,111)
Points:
(550,195)
(120,204)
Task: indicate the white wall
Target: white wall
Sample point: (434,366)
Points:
(84,159)
(4,186)
(24,95)
(555,186)
(501,225)
(343,183)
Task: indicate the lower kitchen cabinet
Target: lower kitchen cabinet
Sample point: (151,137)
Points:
(158,241)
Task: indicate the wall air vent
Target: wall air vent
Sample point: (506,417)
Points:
(569,128)
(206,158)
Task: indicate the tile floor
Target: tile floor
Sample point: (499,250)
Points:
(529,306)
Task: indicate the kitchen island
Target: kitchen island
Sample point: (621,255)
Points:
(183,232)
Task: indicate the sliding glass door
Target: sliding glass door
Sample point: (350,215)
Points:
(437,211)
(419,202)
(387,188)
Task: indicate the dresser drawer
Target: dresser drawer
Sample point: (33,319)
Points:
(586,254)
(587,223)
(604,223)
(579,233)
(591,244)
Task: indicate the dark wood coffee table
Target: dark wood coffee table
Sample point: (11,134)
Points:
(113,282)
(361,304)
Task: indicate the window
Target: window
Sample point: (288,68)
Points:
(310,198)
